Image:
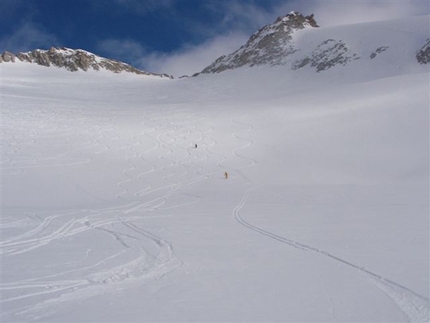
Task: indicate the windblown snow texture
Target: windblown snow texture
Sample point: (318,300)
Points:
(111,213)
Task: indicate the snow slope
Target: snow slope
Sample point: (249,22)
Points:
(110,214)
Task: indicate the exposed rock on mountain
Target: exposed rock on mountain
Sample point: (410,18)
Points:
(378,51)
(271,45)
(423,55)
(293,41)
(328,54)
(73,60)
(7,57)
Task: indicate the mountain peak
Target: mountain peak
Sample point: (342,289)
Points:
(296,20)
(283,43)
(270,45)
(73,60)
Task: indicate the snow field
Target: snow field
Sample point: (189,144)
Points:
(109,213)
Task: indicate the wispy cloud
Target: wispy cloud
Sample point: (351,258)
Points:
(127,50)
(240,15)
(188,60)
(338,12)
(236,21)
(241,20)
(193,58)
(28,36)
(215,28)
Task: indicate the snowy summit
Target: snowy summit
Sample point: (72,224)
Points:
(271,45)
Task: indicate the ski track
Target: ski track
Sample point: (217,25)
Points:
(416,307)
(413,305)
(178,164)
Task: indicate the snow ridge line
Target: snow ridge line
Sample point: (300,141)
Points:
(416,307)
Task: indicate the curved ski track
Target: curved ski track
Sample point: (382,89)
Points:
(149,256)
(416,307)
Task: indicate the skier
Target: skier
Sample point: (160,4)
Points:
(195,145)
(225,175)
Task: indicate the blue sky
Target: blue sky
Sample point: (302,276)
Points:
(170,36)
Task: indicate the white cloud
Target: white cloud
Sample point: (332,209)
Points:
(239,15)
(240,18)
(338,12)
(192,59)
(28,37)
(186,61)
(128,49)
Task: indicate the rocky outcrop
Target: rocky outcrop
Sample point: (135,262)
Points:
(328,54)
(281,43)
(73,60)
(7,57)
(274,45)
(271,45)
(378,51)
(423,55)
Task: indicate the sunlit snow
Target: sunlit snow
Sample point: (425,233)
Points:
(111,214)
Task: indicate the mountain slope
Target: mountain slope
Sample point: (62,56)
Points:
(270,45)
(111,214)
(72,60)
(295,42)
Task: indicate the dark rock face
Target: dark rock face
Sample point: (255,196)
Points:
(271,45)
(423,55)
(378,51)
(328,54)
(73,60)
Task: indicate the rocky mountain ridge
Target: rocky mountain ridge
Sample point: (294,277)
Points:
(275,44)
(271,45)
(73,60)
